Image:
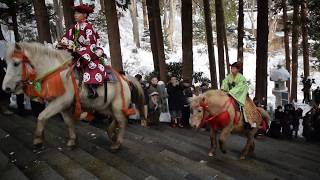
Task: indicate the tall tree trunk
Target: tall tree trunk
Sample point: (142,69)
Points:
(68,13)
(165,15)
(226,49)
(172,14)
(145,15)
(220,39)
(58,18)
(305,45)
(42,19)
(186,21)
(212,61)
(113,34)
(240,31)
(102,5)
(153,39)
(13,14)
(295,39)
(262,51)
(156,38)
(135,24)
(160,46)
(286,41)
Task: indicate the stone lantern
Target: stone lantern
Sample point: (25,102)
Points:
(280,75)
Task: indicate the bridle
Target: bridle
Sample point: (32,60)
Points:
(30,78)
(29,75)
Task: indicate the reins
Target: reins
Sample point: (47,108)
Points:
(30,78)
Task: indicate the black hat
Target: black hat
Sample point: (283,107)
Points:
(237,65)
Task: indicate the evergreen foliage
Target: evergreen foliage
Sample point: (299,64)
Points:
(175,69)
(123,4)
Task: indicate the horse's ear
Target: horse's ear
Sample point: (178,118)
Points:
(203,99)
(17,47)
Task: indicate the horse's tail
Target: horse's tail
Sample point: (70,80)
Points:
(265,115)
(137,94)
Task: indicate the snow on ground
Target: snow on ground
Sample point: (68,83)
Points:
(141,60)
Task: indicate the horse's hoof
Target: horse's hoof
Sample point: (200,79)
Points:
(115,147)
(72,147)
(114,138)
(242,158)
(224,151)
(38,147)
(210,154)
(71,143)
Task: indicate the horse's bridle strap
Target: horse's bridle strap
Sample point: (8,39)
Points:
(210,117)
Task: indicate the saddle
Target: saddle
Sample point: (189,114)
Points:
(249,112)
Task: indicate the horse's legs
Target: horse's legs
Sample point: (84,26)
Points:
(252,147)
(38,134)
(225,133)
(111,130)
(213,142)
(67,117)
(250,143)
(122,124)
(53,108)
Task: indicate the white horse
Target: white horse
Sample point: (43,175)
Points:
(24,58)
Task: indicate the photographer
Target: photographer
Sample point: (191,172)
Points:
(307,83)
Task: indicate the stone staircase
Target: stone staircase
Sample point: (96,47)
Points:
(147,153)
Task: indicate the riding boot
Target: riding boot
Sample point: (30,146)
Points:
(92,91)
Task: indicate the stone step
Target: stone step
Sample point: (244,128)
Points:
(178,146)
(198,168)
(261,156)
(90,156)
(197,153)
(151,163)
(165,153)
(65,166)
(8,170)
(86,160)
(24,159)
(135,141)
(233,152)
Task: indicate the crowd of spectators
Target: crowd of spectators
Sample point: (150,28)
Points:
(168,102)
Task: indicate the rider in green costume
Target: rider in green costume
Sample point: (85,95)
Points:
(236,85)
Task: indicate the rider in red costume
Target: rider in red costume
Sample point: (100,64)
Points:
(83,40)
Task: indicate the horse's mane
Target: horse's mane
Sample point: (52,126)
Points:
(38,52)
(195,101)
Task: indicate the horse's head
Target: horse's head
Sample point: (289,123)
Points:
(197,109)
(200,109)
(13,78)
(27,61)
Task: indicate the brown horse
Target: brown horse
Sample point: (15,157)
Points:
(219,110)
